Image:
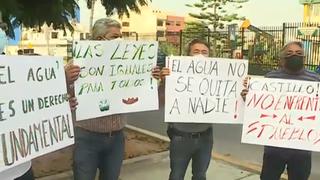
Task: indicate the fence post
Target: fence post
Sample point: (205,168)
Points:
(283,33)
(180,43)
(242,42)
(209,33)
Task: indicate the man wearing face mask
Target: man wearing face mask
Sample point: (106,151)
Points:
(190,141)
(275,160)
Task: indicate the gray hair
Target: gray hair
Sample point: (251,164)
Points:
(283,51)
(101,27)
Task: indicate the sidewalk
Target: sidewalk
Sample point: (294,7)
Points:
(156,167)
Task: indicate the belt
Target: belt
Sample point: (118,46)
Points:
(107,134)
(192,135)
(112,133)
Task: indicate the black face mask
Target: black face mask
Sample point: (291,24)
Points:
(294,63)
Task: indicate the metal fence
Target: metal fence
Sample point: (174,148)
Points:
(261,48)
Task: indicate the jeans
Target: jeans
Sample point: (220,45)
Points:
(97,151)
(26,176)
(183,149)
(275,160)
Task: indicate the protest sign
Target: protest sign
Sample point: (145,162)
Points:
(282,113)
(35,117)
(204,90)
(115,77)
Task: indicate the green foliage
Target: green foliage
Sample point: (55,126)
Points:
(168,48)
(212,19)
(121,7)
(34,13)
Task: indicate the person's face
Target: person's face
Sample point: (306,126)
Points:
(293,59)
(199,49)
(294,49)
(113,33)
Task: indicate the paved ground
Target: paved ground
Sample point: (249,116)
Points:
(156,167)
(227,139)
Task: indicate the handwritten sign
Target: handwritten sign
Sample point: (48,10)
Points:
(35,117)
(115,77)
(282,113)
(204,90)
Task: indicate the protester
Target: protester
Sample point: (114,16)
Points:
(24,170)
(190,141)
(275,159)
(99,142)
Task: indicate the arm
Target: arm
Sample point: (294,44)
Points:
(245,91)
(72,74)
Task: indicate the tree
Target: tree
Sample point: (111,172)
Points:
(34,13)
(122,7)
(213,13)
(168,48)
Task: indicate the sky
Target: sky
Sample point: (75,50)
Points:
(259,12)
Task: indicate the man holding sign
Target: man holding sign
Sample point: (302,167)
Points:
(99,142)
(275,159)
(190,140)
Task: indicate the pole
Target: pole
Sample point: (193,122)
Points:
(209,39)
(180,42)
(215,25)
(242,42)
(91,15)
(283,33)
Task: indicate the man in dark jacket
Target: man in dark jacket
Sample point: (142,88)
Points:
(275,159)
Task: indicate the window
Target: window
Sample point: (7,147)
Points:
(178,23)
(172,33)
(159,22)
(168,23)
(125,34)
(160,33)
(125,24)
(87,35)
(315,10)
(54,35)
(82,36)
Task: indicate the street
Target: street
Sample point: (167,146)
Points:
(227,139)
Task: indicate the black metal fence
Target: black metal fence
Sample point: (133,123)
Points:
(261,47)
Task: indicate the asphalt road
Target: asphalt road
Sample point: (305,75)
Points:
(227,138)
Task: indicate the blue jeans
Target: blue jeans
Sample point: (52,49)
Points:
(26,176)
(97,151)
(275,160)
(183,149)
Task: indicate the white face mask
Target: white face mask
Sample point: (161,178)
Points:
(3,40)
(199,56)
(117,39)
